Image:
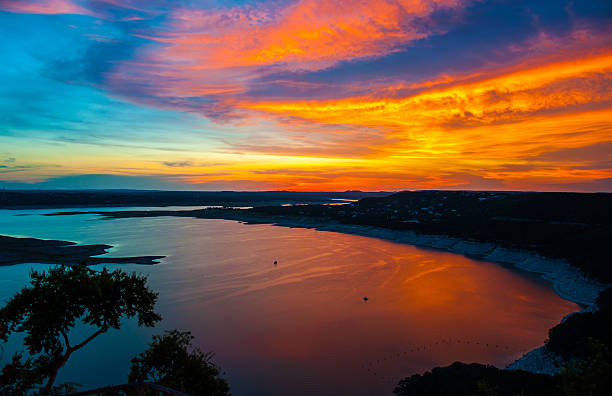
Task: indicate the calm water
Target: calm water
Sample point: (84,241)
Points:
(302,327)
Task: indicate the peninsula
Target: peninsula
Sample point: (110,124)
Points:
(31,250)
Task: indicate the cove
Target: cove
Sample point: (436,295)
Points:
(302,326)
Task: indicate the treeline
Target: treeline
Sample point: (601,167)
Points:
(573,226)
(584,340)
(476,379)
(100,198)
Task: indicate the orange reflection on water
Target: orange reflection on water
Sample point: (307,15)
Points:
(303,326)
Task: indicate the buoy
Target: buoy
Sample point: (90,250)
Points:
(365,299)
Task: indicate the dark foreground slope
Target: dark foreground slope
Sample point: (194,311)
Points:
(584,340)
(476,379)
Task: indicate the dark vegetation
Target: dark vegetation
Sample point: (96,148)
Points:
(476,379)
(583,339)
(98,198)
(31,250)
(171,361)
(591,377)
(573,338)
(574,226)
(59,299)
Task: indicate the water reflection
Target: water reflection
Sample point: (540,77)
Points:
(302,326)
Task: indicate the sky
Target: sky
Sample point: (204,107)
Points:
(306,95)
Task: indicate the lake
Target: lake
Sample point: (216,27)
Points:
(302,326)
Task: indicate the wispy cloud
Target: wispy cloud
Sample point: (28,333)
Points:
(178,164)
(305,34)
(44,7)
(202,60)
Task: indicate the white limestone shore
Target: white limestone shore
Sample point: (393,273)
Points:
(567,281)
(540,360)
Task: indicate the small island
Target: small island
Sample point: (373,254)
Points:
(47,251)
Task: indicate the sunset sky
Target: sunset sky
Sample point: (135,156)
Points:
(306,95)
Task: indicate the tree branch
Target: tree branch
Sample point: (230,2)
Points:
(102,329)
(69,351)
(68,347)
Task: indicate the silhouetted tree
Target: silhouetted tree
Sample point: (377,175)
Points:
(461,379)
(54,302)
(171,361)
(573,337)
(589,377)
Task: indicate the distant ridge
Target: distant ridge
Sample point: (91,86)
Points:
(18,199)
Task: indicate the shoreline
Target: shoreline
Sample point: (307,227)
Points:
(568,282)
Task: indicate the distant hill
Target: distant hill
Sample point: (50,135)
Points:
(99,198)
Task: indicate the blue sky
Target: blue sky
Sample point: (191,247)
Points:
(306,95)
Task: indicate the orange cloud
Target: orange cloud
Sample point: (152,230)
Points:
(547,87)
(221,52)
(307,34)
(446,120)
(496,129)
(506,127)
(485,130)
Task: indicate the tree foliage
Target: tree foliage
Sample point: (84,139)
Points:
(572,338)
(19,376)
(55,301)
(591,376)
(583,339)
(461,379)
(171,361)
